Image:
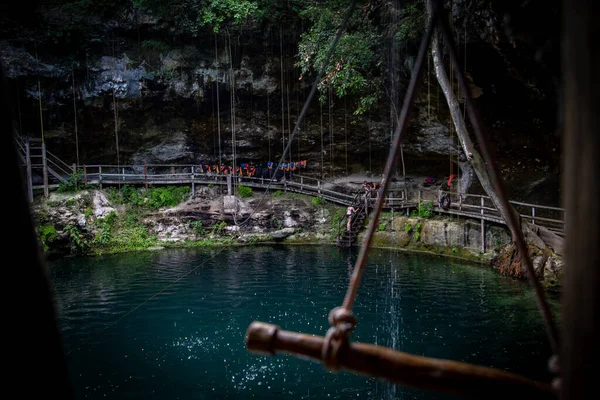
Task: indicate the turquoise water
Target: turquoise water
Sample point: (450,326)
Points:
(171,324)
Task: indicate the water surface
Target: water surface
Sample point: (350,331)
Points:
(171,324)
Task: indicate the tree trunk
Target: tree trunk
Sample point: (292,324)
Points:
(471,153)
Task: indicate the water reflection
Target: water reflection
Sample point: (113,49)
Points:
(184,337)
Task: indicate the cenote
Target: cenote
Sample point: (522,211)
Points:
(170,324)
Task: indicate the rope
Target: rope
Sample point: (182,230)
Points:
(346,133)
(313,90)
(322,146)
(391,160)
(501,191)
(218,101)
(86,341)
(282,102)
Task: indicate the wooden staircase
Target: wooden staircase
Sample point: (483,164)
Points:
(41,165)
(362,203)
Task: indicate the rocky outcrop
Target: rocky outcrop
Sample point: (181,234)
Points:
(462,238)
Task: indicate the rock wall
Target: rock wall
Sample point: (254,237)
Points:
(462,238)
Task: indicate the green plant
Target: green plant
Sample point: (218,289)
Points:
(47,234)
(381,227)
(197,227)
(71,202)
(110,219)
(276,222)
(89,212)
(219,227)
(317,201)
(426,209)
(414,213)
(244,191)
(455,250)
(78,242)
(407,228)
(417,236)
(72,183)
(419,226)
(277,193)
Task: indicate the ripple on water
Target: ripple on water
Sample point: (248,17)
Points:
(171,324)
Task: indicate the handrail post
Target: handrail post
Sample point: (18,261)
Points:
(319,187)
(460,202)
(145,175)
(84,175)
(301,183)
(482,226)
(100,175)
(45,169)
(533,215)
(28,163)
(122,173)
(193,182)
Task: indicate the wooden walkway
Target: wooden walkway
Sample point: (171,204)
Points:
(467,205)
(35,157)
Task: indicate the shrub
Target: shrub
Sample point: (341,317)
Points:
(244,191)
(317,201)
(407,228)
(426,209)
(381,227)
(197,227)
(417,236)
(72,183)
(219,227)
(277,193)
(78,242)
(47,234)
(166,196)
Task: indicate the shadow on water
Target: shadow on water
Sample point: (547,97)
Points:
(171,324)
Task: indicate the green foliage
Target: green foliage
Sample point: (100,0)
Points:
(381,227)
(47,233)
(77,240)
(152,199)
(417,236)
(89,212)
(277,193)
(349,71)
(317,201)
(407,228)
(418,227)
(73,183)
(412,21)
(244,191)
(197,227)
(425,209)
(191,15)
(455,250)
(219,228)
(110,219)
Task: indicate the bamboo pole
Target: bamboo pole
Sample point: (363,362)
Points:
(380,362)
